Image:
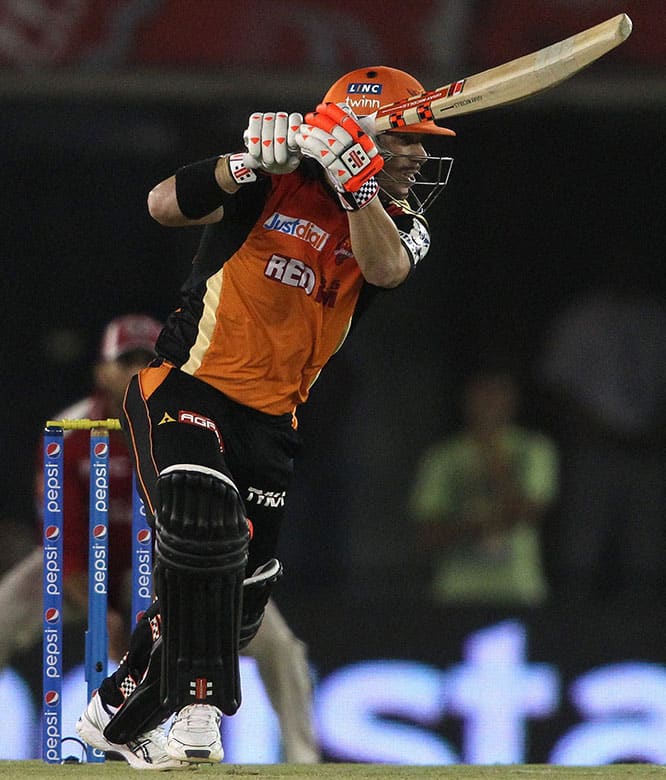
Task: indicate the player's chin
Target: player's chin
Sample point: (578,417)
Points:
(398,190)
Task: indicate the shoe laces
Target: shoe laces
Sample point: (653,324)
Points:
(200,717)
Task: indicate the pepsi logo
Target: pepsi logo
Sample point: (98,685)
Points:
(51,533)
(51,698)
(100,449)
(139,615)
(51,615)
(99,531)
(53,449)
(143,536)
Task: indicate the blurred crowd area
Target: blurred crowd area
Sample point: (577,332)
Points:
(550,201)
(434,35)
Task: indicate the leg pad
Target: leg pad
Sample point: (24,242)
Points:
(201,550)
(256,592)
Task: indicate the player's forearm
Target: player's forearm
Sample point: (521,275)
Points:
(377,247)
(169,199)
(163,207)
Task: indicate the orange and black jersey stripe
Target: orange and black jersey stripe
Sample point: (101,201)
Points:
(272,292)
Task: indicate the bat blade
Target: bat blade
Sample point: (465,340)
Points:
(512,81)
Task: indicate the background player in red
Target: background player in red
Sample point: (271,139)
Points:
(312,218)
(127,345)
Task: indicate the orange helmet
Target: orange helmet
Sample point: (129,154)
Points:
(367,89)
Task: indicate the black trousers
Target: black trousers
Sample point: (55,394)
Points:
(170,418)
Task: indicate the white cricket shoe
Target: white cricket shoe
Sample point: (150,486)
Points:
(148,751)
(195,735)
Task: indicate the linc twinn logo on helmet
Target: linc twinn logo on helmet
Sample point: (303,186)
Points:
(364,88)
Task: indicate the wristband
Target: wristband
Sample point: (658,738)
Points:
(197,191)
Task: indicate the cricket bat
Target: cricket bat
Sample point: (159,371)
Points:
(509,82)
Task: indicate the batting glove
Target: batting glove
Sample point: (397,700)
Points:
(332,136)
(269,140)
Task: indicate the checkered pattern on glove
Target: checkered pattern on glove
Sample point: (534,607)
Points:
(353,201)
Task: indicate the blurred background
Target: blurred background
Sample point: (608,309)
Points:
(551,201)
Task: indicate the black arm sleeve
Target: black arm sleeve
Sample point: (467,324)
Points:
(197,190)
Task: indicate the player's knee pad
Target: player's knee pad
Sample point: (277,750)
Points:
(201,549)
(256,592)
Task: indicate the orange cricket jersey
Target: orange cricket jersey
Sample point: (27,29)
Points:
(273,312)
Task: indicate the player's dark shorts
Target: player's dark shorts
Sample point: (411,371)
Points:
(173,418)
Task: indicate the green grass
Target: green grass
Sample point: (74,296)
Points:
(33,770)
